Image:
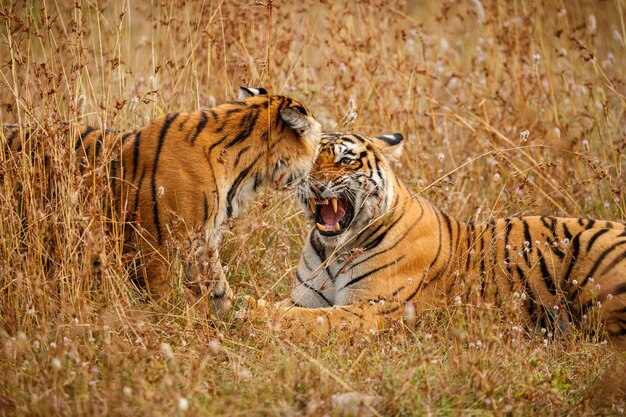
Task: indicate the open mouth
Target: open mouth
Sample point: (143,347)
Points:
(332,215)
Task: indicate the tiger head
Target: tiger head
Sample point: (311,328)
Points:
(291,135)
(351,183)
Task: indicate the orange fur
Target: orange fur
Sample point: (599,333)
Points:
(180,178)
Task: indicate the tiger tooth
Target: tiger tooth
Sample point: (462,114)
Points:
(321,227)
(333,200)
(337,227)
(312,205)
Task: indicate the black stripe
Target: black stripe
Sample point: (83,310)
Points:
(12,138)
(134,216)
(98,146)
(573,259)
(482,251)
(315,290)
(439,239)
(82,136)
(126,135)
(233,189)
(25,140)
(136,154)
(530,305)
(318,251)
(155,207)
(590,224)
(199,127)
(371,245)
(448,222)
(243,135)
(374,243)
(545,273)
(397,291)
(568,234)
(365,238)
(555,238)
(443,268)
(599,260)
(279,122)
(230,112)
(241,152)
(390,248)
(613,263)
(584,309)
(469,229)
(367,274)
(595,237)
(619,333)
(527,238)
(258,180)
(112,177)
(507,260)
(494,253)
(326,270)
(619,290)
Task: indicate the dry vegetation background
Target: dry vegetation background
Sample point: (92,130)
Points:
(509,107)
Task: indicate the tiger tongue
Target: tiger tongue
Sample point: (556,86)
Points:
(329,216)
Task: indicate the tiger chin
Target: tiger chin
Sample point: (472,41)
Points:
(178,180)
(377,248)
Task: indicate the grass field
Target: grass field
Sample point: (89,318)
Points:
(508,107)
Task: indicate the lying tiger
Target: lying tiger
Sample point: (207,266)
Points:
(376,247)
(188,171)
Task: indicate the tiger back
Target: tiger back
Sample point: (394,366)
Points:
(376,248)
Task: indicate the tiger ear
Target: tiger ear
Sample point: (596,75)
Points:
(391,146)
(245,92)
(305,125)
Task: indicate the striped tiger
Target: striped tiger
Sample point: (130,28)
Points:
(376,248)
(184,175)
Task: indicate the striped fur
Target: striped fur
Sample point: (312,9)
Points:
(399,248)
(184,175)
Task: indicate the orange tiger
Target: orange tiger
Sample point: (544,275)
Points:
(376,247)
(189,172)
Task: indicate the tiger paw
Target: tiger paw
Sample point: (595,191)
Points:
(251,308)
(221,298)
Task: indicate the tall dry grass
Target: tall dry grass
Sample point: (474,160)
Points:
(509,107)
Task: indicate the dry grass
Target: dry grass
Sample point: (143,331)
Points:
(463,80)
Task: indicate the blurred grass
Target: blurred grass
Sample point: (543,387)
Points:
(509,107)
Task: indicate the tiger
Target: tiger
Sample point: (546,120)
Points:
(183,176)
(377,250)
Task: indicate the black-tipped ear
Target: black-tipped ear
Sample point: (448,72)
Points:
(391,139)
(245,92)
(391,146)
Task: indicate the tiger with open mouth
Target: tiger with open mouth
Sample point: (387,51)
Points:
(376,248)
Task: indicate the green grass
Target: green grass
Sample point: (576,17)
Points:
(462,81)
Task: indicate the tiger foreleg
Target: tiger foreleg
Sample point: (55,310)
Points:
(302,323)
(206,277)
